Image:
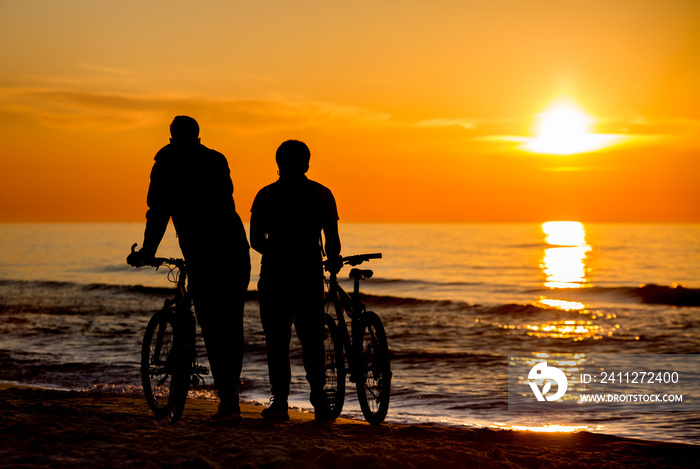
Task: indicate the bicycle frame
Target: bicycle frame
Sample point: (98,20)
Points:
(366,358)
(354,307)
(181,305)
(182,300)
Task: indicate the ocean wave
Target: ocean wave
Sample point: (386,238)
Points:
(456,306)
(674,295)
(515,308)
(38,368)
(387,300)
(447,355)
(402,282)
(647,293)
(252,295)
(131,289)
(91,287)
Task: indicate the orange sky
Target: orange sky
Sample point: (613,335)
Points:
(414,111)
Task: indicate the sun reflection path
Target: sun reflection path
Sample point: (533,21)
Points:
(563,262)
(551,428)
(577,330)
(564,233)
(563,304)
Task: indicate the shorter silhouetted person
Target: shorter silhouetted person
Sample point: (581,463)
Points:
(191,184)
(287,218)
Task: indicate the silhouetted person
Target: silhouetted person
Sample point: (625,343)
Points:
(286,222)
(191,184)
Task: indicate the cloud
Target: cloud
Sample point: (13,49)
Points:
(118,72)
(77,109)
(73,108)
(609,132)
(637,125)
(464,123)
(570,169)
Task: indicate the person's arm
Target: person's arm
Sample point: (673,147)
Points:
(257,233)
(224,182)
(331,235)
(330,232)
(258,222)
(158,213)
(157,218)
(156,224)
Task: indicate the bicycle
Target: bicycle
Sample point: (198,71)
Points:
(364,346)
(168,358)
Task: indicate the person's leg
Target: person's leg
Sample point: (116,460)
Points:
(219,299)
(310,328)
(276,319)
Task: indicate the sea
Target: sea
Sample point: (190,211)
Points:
(456,300)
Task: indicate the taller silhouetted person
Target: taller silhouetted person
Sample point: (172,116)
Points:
(287,219)
(191,184)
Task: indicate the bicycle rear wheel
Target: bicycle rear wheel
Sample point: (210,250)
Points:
(156,352)
(374,380)
(335,367)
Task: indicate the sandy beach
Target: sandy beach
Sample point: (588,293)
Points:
(46,428)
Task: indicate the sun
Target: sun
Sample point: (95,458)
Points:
(563,123)
(564,129)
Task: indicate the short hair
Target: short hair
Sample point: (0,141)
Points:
(293,156)
(184,128)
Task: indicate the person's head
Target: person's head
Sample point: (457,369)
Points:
(184,129)
(293,158)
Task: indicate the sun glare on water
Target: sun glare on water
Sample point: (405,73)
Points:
(564,259)
(564,129)
(545,428)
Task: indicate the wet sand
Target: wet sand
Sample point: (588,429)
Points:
(44,428)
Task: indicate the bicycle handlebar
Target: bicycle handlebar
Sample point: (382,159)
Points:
(360,258)
(352,260)
(159,261)
(180,263)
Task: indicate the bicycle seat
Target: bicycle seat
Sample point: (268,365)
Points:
(359,274)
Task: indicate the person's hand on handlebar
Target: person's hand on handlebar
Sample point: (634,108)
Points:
(139,258)
(333,265)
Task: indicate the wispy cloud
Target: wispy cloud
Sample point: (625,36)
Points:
(650,126)
(120,72)
(609,132)
(574,169)
(464,123)
(71,108)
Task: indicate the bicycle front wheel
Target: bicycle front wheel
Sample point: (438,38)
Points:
(374,383)
(156,350)
(179,387)
(334,387)
(182,358)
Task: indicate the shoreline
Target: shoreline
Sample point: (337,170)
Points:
(51,428)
